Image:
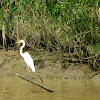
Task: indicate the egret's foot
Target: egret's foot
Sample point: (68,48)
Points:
(29,80)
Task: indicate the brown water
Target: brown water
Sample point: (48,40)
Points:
(14,88)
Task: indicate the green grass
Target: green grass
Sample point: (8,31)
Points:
(55,25)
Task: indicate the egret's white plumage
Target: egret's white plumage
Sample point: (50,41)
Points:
(27,58)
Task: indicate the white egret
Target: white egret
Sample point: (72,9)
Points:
(27,58)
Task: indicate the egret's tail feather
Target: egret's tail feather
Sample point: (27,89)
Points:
(33,69)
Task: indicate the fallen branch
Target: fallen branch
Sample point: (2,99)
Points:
(35,83)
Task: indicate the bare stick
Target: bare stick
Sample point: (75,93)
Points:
(40,78)
(35,83)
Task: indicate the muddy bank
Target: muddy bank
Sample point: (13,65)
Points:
(48,65)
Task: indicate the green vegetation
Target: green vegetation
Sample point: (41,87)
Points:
(71,26)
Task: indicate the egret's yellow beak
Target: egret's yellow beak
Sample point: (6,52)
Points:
(17,42)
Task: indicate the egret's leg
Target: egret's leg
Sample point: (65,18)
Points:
(25,74)
(28,70)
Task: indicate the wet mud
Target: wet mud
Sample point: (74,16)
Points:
(48,65)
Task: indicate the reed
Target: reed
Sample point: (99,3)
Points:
(71,27)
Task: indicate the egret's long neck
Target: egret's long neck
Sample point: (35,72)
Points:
(21,52)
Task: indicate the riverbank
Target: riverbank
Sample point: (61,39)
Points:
(48,65)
